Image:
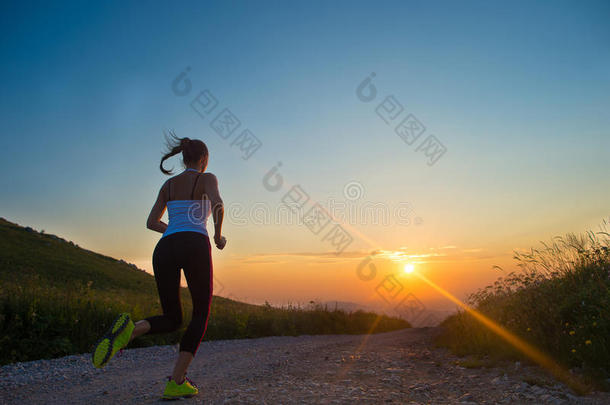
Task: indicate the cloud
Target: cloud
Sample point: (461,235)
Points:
(324,257)
(257,260)
(444,254)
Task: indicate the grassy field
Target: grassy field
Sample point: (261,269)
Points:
(559,302)
(57,298)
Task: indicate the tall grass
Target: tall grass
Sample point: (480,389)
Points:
(559,301)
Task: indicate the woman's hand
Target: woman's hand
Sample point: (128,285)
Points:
(220,241)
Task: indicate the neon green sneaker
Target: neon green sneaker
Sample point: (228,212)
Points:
(185,390)
(114,340)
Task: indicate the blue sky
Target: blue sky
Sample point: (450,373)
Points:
(518,92)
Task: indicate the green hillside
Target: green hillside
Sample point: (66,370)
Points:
(57,298)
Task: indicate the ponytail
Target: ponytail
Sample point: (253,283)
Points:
(192,150)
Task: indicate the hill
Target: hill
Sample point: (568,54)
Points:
(56,298)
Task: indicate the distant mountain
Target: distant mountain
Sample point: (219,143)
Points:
(418,318)
(346,306)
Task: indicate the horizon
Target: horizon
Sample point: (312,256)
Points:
(515,96)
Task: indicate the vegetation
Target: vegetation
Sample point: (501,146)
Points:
(559,302)
(57,299)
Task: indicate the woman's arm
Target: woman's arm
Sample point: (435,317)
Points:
(154,218)
(211,190)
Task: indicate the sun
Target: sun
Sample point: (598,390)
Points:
(409,268)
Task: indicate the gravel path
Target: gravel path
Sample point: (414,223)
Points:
(397,367)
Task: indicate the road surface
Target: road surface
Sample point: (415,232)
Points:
(391,368)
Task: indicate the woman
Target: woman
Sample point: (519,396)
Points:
(190,197)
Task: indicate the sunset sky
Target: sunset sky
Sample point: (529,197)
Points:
(517,93)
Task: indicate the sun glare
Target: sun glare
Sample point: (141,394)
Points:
(409,267)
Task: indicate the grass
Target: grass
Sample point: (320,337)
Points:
(57,299)
(559,302)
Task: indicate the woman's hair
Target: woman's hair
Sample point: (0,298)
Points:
(192,150)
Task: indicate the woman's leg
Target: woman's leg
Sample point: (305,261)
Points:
(182,364)
(167,277)
(198,271)
(141,327)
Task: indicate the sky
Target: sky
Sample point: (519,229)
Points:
(515,94)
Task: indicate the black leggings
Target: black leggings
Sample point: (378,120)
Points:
(190,251)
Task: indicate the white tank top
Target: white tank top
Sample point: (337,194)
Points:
(188,215)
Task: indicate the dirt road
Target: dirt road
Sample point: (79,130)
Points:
(398,367)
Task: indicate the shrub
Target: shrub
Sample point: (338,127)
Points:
(558,302)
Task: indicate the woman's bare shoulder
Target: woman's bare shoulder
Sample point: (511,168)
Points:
(166,182)
(170,179)
(209,177)
(166,185)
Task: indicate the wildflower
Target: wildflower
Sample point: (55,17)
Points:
(588,342)
(572,332)
(529,329)
(594,323)
(567,323)
(573,350)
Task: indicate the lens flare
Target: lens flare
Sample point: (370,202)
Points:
(526,348)
(409,268)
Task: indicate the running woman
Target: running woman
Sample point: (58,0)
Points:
(190,198)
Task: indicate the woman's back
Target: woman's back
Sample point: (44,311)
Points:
(188,185)
(188,205)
